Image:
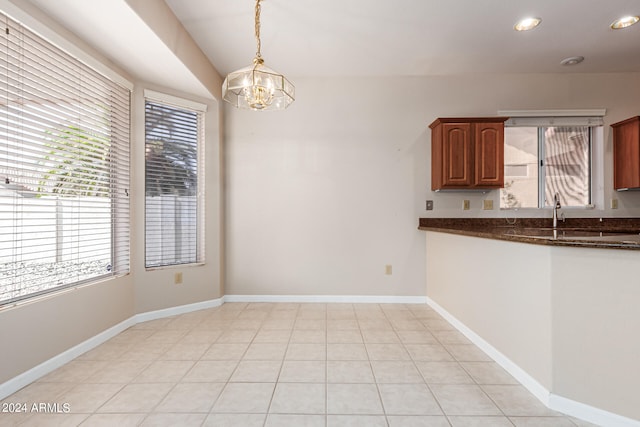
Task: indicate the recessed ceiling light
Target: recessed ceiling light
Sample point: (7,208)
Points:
(573,60)
(624,22)
(527,24)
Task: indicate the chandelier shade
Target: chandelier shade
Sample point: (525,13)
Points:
(258,87)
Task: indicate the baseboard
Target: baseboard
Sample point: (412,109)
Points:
(371,299)
(530,383)
(174,311)
(589,413)
(550,400)
(16,383)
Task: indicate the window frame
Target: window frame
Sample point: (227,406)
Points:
(199,109)
(542,171)
(540,119)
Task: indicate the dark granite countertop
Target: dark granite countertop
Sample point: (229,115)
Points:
(611,233)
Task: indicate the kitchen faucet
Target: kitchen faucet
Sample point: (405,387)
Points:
(556,206)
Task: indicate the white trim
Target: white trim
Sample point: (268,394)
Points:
(530,383)
(554,121)
(537,118)
(175,100)
(16,383)
(174,311)
(550,400)
(375,299)
(590,413)
(595,112)
(34,24)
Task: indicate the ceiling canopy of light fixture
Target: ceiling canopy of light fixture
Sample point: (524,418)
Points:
(258,87)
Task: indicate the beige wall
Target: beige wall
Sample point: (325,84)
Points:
(567,316)
(35,331)
(596,320)
(322,196)
(501,291)
(318,199)
(155,289)
(160,19)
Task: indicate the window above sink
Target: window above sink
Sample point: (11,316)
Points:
(552,152)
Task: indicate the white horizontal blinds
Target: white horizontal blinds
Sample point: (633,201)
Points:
(172,221)
(64,169)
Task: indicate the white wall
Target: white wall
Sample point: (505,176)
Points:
(322,196)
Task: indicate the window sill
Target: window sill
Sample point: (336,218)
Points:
(176,266)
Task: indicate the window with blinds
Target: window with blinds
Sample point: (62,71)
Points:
(64,169)
(173,223)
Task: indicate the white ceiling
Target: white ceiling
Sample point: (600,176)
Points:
(414,37)
(363,37)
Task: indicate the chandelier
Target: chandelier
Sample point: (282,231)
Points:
(258,87)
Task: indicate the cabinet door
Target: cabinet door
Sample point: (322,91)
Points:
(457,155)
(626,155)
(489,154)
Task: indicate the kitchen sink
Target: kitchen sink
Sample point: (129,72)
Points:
(577,234)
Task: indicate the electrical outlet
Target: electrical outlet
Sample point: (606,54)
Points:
(429,205)
(466,205)
(614,203)
(177,278)
(487,205)
(388,269)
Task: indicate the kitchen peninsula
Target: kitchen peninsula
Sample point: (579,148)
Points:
(558,312)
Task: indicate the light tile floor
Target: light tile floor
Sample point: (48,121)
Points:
(279,365)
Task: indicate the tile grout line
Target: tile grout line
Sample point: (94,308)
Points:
(458,362)
(375,380)
(326,367)
(275,386)
(448,417)
(435,398)
(230,375)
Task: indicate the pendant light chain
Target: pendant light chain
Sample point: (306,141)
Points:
(258,59)
(258,87)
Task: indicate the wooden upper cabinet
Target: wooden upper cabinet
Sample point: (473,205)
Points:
(626,154)
(456,149)
(467,153)
(489,154)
